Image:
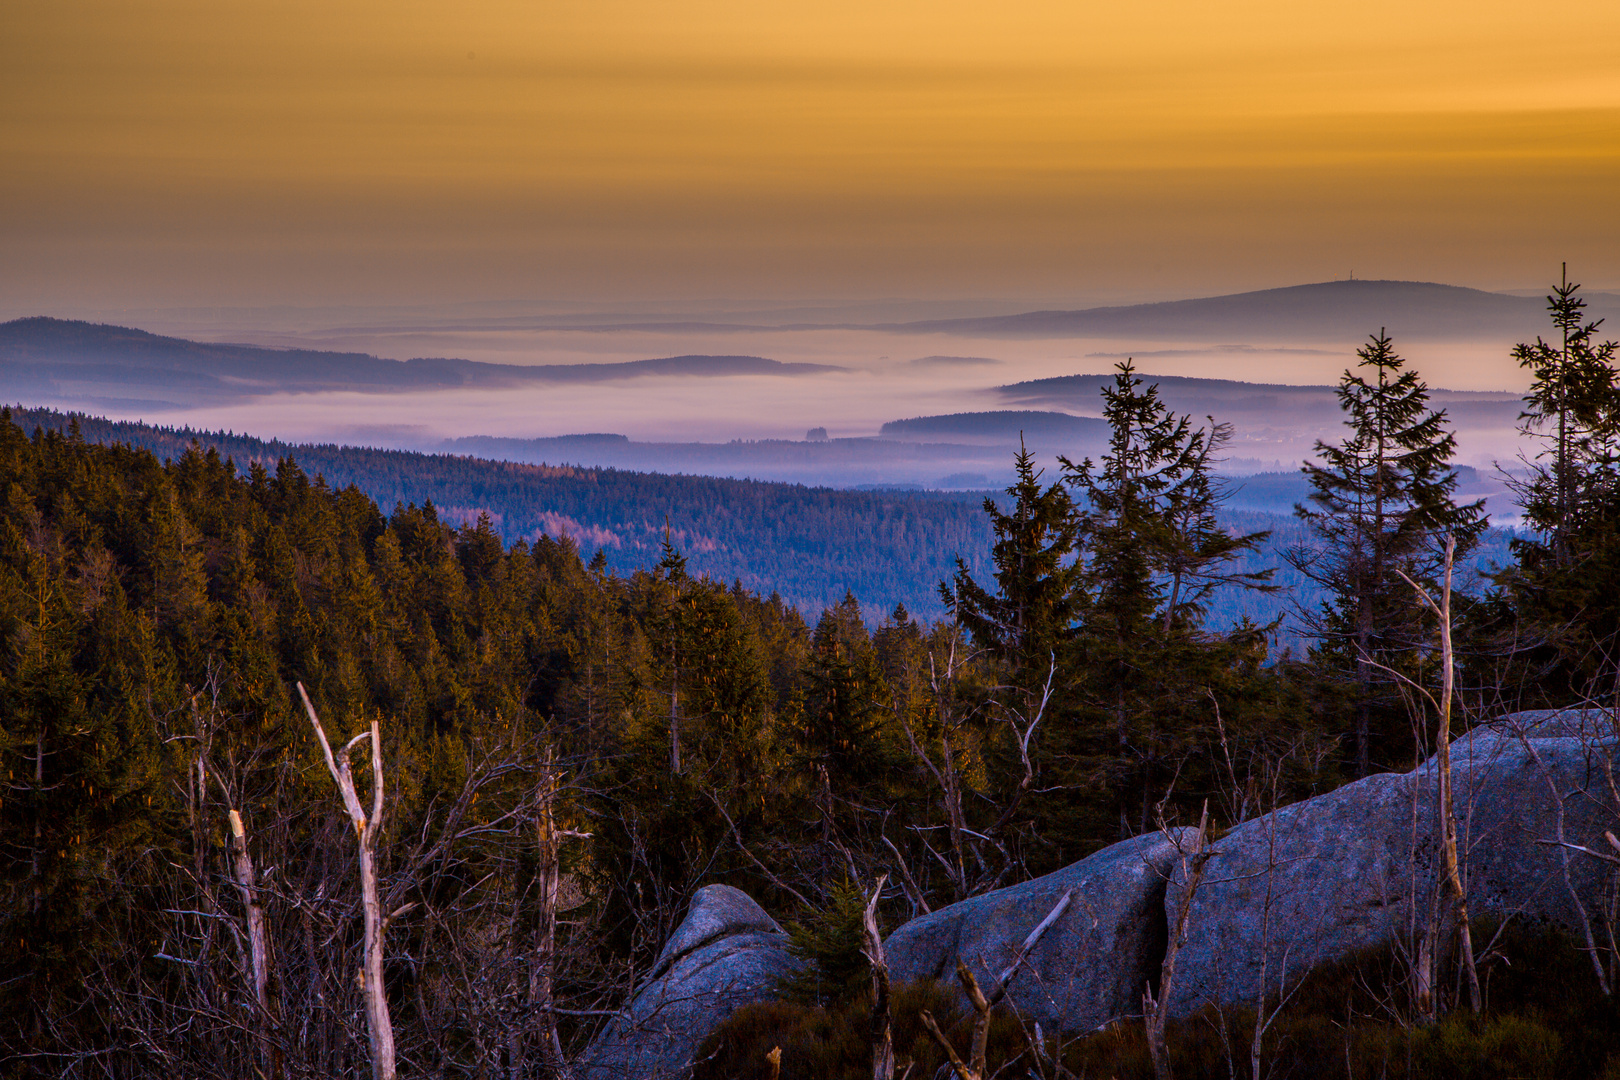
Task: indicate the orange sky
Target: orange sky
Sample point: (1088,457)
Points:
(339,152)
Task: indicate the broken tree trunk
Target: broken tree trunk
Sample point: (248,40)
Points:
(258,943)
(378,1022)
(882,1027)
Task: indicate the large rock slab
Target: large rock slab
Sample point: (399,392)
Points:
(727,953)
(1090,967)
(1319,881)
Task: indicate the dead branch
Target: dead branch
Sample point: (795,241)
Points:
(1462,926)
(736,835)
(378,1021)
(1563,847)
(975,1068)
(913,893)
(882,1026)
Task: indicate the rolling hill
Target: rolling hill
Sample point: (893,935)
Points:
(99,365)
(1326,311)
(809,544)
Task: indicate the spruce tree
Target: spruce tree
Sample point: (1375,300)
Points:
(1573,410)
(1154,547)
(1152,550)
(842,738)
(1561,593)
(1380,505)
(1035,602)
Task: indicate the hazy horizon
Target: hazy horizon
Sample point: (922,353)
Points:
(883,376)
(166,154)
(497,181)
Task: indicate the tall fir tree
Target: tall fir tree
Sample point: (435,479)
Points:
(1152,550)
(1562,591)
(1573,410)
(1036,598)
(1381,506)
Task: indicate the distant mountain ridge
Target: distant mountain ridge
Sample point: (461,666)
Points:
(1324,311)
(58,359)
(1003,426)
(1257,404)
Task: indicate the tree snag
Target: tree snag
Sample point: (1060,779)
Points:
(378,1022)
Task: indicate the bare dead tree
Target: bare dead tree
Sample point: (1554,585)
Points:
(379,1023)
(966,843)
(1194,857)
(942,685)
(1561,842)
(548,880)
(1023,726)
(244,875)
(976,1066)
(882,1026)
(1451,874)
(258,938)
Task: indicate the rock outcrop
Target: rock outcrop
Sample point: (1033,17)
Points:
(726,954)
(1090,966)
(1286,893)
(1318,881)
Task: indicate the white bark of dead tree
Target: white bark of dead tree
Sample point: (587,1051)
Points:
(378,1021)
(1156,1010)
(1451,872)
(882,1025)
(542,976)
(258,943)
(976,1067)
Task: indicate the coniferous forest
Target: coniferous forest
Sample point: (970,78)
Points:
(275,754)
(809,544)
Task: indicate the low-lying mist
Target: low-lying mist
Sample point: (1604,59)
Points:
(891,367)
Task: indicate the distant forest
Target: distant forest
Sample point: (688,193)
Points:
(808,545)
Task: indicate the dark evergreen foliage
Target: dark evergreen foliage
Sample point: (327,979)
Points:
(1036,601)
(1556,607)
(1381,506)
(1145,679)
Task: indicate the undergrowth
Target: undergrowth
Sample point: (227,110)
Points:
(1545,1019)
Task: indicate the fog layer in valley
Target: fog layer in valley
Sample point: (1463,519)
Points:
(892,361)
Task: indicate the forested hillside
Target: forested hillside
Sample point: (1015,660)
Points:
(810,545)
(157,618)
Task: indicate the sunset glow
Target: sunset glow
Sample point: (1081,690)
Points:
(297,153)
